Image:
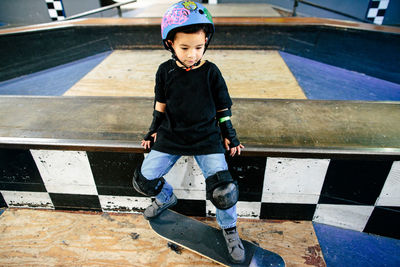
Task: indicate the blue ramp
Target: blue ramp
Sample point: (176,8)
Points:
(325,82)
(52,82)
(342,247)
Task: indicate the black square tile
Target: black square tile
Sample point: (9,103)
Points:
(381,12)
(2,201)
(113,172)
(287,211)
(191,207)
(18,171)
(249,172)
(374,3)
(384,221)
(354,182)
(75,202)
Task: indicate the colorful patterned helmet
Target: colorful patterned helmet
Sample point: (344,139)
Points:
(185,13)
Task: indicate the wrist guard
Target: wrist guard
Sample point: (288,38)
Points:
(229,132)
(158,117)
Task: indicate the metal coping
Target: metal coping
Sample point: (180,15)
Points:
(134,147)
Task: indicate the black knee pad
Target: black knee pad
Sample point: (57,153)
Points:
(146,187)
(222,190)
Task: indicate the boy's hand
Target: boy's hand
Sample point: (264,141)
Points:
(147,143)
(234,150)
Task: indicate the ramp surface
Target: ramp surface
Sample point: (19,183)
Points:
(248,74)
(326,82)
(54,81)
(50,238)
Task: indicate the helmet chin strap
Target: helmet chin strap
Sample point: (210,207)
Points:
(186,67)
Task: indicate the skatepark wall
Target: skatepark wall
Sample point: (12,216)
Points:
(349,187)
(365,48)
(82,154)
(362,195)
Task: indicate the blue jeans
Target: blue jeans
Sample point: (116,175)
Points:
(157,164)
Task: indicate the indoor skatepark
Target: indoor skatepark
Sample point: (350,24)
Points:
(319,172)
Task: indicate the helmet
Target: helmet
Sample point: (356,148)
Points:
(183,14)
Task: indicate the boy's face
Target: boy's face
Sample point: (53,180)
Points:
(189,47)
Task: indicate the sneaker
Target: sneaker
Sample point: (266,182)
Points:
(156,207)
(234,244)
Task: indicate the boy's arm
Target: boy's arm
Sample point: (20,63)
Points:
(158,117)
(231,141)
(160,107)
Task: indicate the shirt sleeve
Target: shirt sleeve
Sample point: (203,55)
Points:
(220,90)
(159,88)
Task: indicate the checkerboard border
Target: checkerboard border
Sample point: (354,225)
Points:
(376,11)
(56,9)
(289,189)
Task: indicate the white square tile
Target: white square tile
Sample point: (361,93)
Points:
(383,4)
(378,20)
(187,179)
(210,209)
(344,216)
(57,5)
(23,199)
(65,172)
(53,13)
(289,180)
(390,195)
(372,13)
(244,209)
(248,209)
(124,204)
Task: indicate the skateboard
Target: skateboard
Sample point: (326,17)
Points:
(208,241)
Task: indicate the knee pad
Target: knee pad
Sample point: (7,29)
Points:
(222,190)
(146,187)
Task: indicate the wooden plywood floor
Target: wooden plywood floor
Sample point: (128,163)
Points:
(54,238)
(248,74)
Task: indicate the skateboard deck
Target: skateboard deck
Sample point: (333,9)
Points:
(208,241)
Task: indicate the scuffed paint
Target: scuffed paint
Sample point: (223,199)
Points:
(33,200)
(314,256)
(124,204)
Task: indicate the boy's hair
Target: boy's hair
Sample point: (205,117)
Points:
(189,29)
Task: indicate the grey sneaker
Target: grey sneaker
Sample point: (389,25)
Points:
(156,207)
(235,246)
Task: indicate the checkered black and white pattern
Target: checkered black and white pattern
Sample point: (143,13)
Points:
(359,195)
(56,9)
(376,11)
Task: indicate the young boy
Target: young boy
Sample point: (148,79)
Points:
(191,112)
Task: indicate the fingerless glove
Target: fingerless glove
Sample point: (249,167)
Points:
(226,127)
(158,117)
